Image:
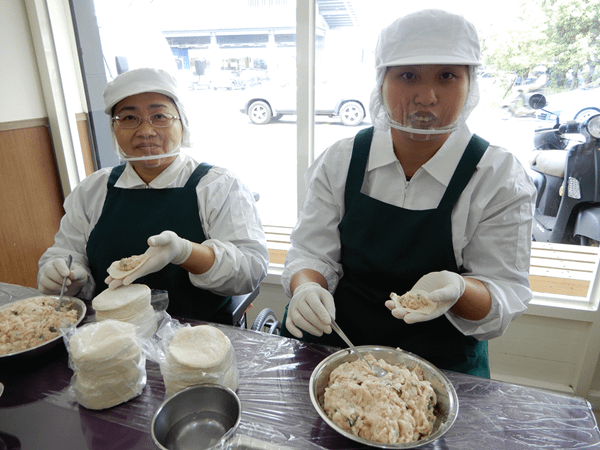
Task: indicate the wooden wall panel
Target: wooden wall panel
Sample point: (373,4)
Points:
(86,150)
(30,202)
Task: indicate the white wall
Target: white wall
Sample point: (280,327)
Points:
(21,93)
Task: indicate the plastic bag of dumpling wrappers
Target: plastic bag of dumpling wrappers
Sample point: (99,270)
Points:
(191,355)
(109,366)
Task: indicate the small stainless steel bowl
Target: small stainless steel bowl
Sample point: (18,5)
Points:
(446,394)
(200,417)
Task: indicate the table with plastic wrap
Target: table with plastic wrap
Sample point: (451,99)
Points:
(38,412)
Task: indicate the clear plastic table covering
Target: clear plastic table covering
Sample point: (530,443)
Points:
(276,407)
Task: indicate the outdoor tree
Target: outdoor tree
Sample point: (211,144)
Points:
(560,34)
(517,46)
(573,33)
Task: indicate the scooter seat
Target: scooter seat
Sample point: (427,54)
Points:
(550,162)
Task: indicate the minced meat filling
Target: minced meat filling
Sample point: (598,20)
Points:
(31,322)
(396,408)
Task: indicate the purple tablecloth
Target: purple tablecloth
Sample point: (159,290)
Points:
(38,412)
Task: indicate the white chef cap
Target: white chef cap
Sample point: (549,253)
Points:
(430,36)
(138,81)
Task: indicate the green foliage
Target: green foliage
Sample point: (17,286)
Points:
(573,34)
(560,34)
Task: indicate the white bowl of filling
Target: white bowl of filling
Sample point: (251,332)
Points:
(412,405)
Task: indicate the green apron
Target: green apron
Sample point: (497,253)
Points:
(387,249)
(129,217)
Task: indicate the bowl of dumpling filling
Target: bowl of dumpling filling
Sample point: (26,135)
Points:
(413,404)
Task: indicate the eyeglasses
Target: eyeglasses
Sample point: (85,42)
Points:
(160,120)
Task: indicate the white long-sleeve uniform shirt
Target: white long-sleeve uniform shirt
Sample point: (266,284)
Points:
(228,215)
(491,222)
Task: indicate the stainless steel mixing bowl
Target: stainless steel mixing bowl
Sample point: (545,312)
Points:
(446,394)
(200,417)
(19,357)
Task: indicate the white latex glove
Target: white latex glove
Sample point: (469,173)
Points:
(53,273)
(444,289)
(311,309)
(165,248)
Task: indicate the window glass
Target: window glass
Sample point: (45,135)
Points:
(528,47)
(237,61)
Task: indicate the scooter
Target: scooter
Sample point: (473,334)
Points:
(517,105)
(566,173)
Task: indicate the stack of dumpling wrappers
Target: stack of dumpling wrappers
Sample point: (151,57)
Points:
(126,303)
(198,355)
(109,366)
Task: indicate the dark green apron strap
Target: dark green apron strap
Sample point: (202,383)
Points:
(358,163)
(197,174)
(115,173)
(464,171)
(360,156)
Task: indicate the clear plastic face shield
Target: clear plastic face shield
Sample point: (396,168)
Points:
(438,106)
(424,39)
(141,81)
(150,156)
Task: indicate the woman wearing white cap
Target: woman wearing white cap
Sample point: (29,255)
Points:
(198,223)
(418,202)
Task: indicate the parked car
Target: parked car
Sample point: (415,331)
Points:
(577,104)
(253,77)
(220,79)
(332,100)
(226,79)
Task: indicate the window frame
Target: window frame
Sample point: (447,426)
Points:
(55,36)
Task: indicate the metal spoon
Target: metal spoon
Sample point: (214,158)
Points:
(62,289)
(379,372)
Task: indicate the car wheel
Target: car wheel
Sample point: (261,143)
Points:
(586,113)
(352,114)
(260,113)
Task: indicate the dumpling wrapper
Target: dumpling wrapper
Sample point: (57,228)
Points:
(416,300)
(201,347)
(126,266)
(132,297)
(101,342)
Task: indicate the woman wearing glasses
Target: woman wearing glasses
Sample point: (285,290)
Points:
(197,223)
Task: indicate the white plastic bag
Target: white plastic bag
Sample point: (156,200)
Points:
(109,367)
(200,354)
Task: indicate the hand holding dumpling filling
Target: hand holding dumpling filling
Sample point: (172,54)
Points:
(126,266)
(163,249)
(433,295)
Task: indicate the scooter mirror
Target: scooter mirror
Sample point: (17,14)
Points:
(537,101)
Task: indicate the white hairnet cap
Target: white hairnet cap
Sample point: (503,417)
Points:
(430,36)
(138,81)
